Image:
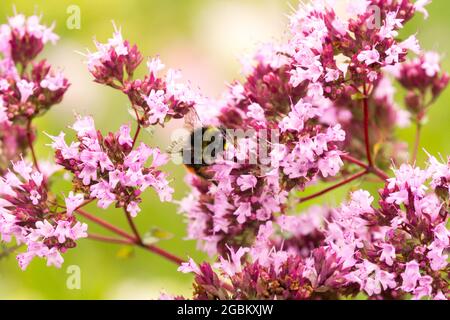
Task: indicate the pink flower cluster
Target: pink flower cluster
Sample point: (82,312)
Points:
(154,100)
(313,90)
(310,91)
(390,251)
(242,194)
(27,89)
(109,169)
(28,213)
(346,60)
(307,111)
(27,93)
(422,79)
(23,38)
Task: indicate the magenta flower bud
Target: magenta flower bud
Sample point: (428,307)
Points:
(413,102)
(440,84)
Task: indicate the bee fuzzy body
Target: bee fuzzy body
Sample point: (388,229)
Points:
(194,160)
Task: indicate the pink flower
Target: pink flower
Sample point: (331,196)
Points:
(124,136)
(233,265)
(63,231)
(246,182)
(256,112)
(387,254)
(312,72)
(431,63)
(158,108)
(117,43)
(23,168)
(109,179)
(393,54)
(399,197)
(423,288)
(190,266)
(45,229)
(420,7)
(369,56)
(88,174)
(332,75)
(301,112)
(54,82)
(411,43)
(133,209)
(73,201)
(243,212)
(330,165)
(35,197)
(410,276)
(84,126)
(438,260)
(103,192)
(357,7)
(78,231)
(26,89)
(155,65)
(54,258)
(391,25)
(372,76)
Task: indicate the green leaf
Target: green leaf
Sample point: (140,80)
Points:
(155,234)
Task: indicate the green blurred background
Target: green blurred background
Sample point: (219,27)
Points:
(204,38)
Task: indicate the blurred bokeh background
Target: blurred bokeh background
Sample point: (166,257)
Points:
(205,39)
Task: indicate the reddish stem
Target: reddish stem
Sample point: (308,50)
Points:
(340,184)
(162,253)
(79,207)
(138,129)
(379,173)
(133,226)
(354,161)
(30,145)
(102,238)
(366,127)
(129,239)
(376,171)
(417,142)
(106,225)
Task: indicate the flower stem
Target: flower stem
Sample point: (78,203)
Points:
(417,142)
(133,226)
(138,129)
(340,184)
(109,239)
(169,256)
(354,161)
(379,173)
(376,171)
(129,239)
(79,207)
(105,224)
(366,127)
(30,145)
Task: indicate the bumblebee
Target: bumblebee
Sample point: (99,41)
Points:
(201,148)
